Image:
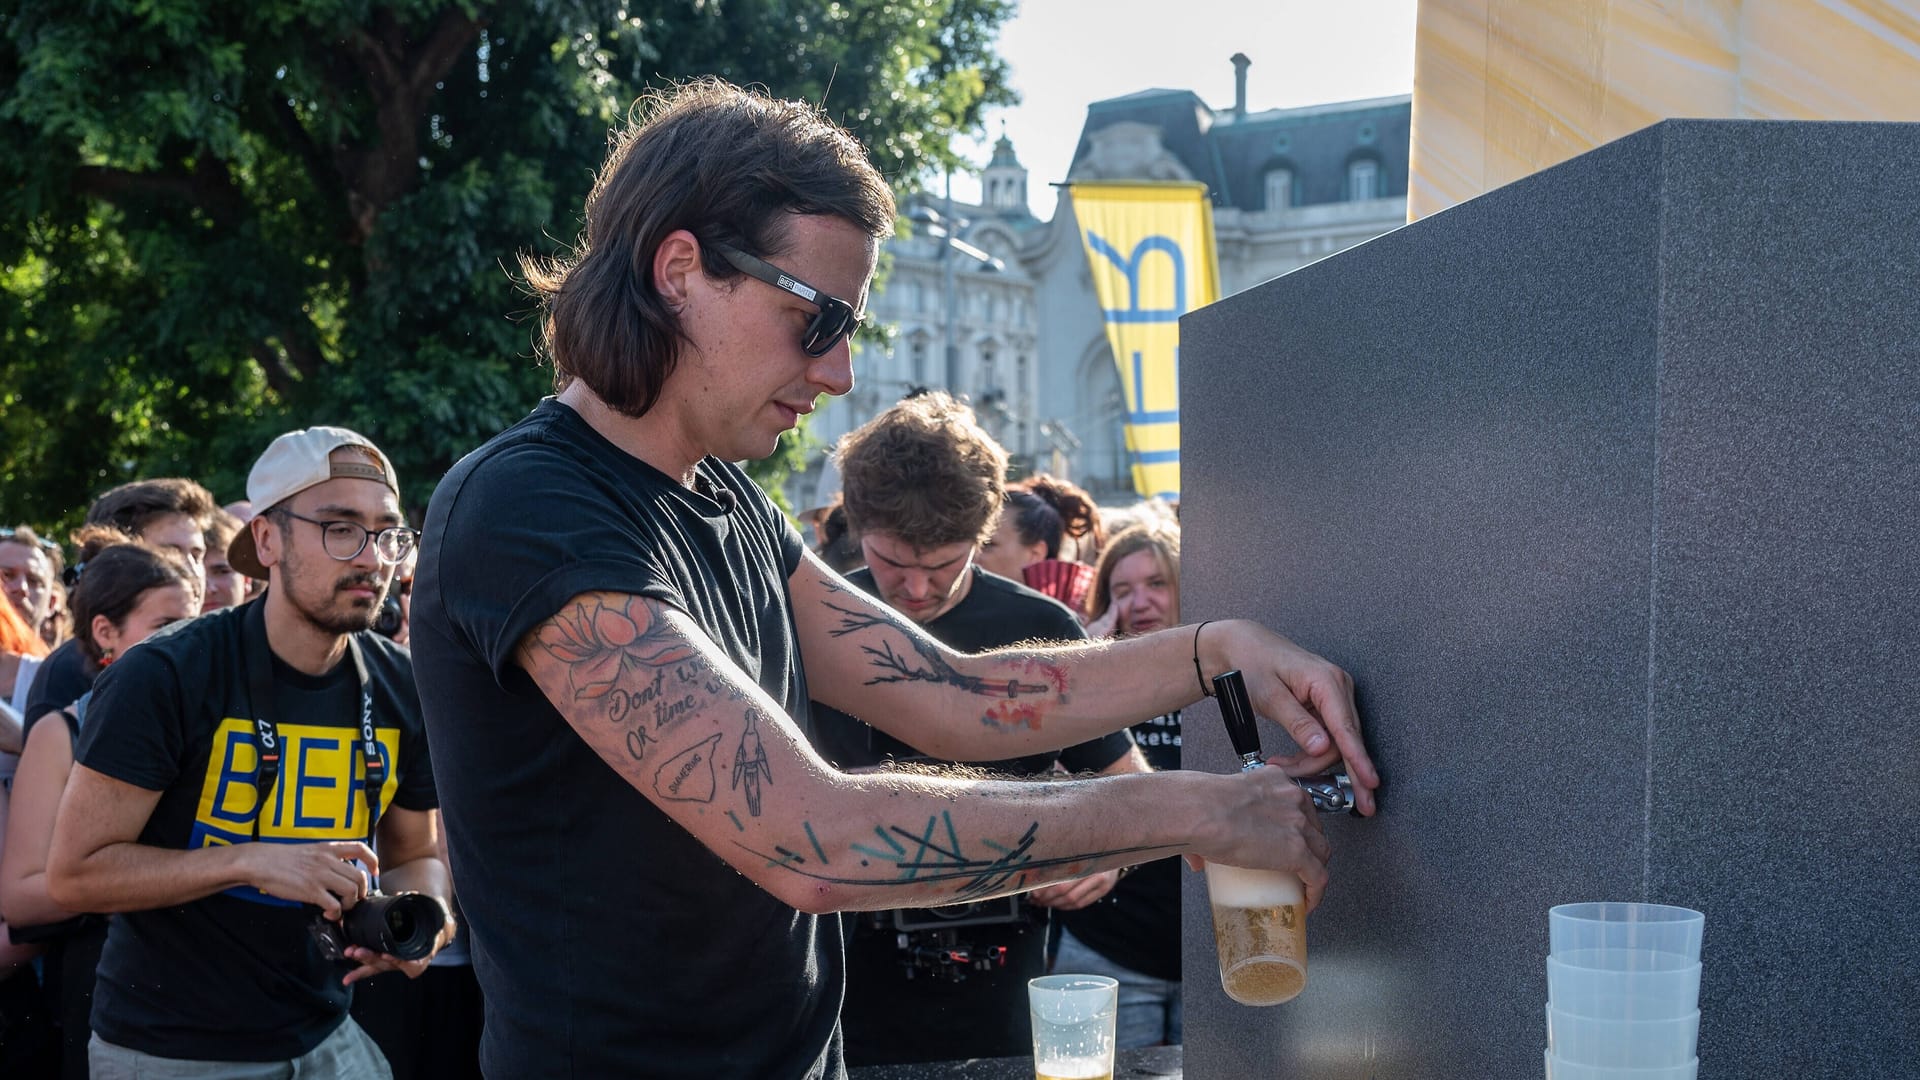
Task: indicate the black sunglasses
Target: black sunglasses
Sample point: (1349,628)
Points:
(836,318)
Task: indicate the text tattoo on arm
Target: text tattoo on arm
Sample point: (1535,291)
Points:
(1020,702)
(604,647)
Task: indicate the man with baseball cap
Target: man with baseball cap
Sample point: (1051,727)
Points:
(237,774)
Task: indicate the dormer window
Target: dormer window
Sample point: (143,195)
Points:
(1279,188)
(1363,179)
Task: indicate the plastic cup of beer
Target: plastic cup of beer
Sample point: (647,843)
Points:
(1646,927)
(1558,1069)
(1260,928)
(1636,1044)
(1073,1018)
(1623,984)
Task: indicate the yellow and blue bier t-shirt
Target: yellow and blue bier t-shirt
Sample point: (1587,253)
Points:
(236,976)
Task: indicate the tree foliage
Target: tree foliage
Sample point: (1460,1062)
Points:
(221,221)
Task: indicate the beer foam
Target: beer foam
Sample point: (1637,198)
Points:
(1231,886)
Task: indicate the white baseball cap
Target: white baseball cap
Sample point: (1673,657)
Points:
(295,462)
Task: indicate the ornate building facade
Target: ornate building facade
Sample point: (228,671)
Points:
(990,302)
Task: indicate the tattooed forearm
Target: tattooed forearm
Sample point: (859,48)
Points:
(935,855)
(688,775)
(929,666)
(750,764)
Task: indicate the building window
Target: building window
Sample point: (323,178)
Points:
(1363,180)
(919,361)
(1279,188)
(919,297)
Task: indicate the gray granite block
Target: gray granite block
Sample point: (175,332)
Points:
(1604,486)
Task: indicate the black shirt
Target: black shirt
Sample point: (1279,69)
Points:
(891,1018)
(236,976)
(607,940)
(63,676)
(1137,925)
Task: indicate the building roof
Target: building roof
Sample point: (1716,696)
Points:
(1232,154)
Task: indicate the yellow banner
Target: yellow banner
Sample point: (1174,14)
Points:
(1151,250)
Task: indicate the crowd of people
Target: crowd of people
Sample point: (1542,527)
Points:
(153,554)
(940,536)
(712,806)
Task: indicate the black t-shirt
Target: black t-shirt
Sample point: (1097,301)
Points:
(64,675)
(236,976)
(890,1018)
(1137,925)
(608,941)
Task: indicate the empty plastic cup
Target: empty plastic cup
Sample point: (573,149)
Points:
(1567,1070)
(1623,984)
(1073,1017)
(1641,1044)
(1654,927)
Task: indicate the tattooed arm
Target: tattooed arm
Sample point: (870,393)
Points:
(868,661)
(656,699)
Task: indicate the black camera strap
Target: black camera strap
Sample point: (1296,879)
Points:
(267,734)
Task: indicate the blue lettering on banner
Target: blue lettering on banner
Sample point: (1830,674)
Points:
(1129,268)
(1137,408)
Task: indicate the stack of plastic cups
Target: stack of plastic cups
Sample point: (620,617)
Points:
(1623,992)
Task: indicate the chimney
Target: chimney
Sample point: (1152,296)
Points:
(1240,63)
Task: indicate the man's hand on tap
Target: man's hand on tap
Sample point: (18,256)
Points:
(1309,696)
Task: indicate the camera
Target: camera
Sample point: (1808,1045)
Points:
(387,623)
(947,943)
(999,912)
(402,925)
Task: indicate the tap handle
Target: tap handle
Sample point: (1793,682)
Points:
(1237,709)
(1331,792)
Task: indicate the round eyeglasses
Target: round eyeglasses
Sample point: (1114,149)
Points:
(345,540)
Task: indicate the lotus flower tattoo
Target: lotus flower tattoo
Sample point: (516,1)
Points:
(600,645)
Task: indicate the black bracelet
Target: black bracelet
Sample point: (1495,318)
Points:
(1205,690)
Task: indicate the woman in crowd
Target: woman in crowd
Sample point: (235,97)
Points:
(20,653)
(1133,934)
(24,1029)
(1045,527)
(125,592)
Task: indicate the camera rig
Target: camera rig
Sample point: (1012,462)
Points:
(949,943)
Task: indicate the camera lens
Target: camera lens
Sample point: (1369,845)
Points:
(403,926)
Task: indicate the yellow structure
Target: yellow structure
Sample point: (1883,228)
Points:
(1150,249)
(1505,88)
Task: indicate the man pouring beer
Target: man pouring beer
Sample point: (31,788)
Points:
(615,682)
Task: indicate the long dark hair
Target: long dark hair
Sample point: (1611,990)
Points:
(1045,507)
(728,165)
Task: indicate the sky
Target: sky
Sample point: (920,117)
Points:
(1065,54)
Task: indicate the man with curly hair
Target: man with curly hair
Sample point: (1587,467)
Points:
(924,485)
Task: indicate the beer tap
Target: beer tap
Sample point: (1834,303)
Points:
(1331,792)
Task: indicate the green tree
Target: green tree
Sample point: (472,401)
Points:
(219,221)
